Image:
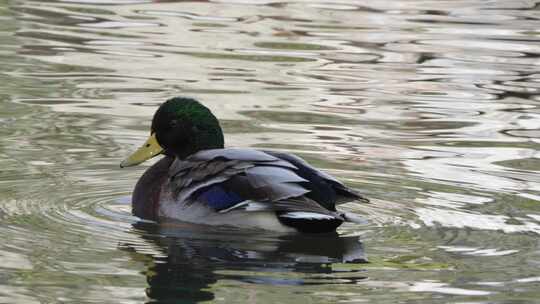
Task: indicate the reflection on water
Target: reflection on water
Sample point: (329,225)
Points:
(191,259)
(428,107)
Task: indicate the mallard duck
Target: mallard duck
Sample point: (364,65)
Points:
(201,181)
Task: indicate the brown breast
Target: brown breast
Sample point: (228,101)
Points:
(145,200)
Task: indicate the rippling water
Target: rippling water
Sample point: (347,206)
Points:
(429,107)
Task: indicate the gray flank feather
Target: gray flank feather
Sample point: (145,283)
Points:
(264,176)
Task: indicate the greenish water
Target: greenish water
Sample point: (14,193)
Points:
(430,108)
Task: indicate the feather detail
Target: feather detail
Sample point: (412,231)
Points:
(183,194)
(282,191)
(342,193)
(249,206)
(233,153)
(264,176)
(244,180)
(307,216)
(209,167)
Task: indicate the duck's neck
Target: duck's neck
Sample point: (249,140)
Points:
(199,142)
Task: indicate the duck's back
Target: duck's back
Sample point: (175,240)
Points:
(249,182)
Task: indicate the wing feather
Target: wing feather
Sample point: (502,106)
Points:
(265,176)
(343,194)
(265,181)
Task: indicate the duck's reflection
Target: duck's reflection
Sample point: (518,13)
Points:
(194,258)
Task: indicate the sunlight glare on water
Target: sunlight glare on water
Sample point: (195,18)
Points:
(429,108)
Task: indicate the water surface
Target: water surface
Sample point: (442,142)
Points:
(430,108)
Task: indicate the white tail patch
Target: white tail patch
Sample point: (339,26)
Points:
(307,215)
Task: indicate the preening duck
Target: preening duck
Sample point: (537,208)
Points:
(200,181)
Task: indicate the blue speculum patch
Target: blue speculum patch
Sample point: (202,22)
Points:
(218,198)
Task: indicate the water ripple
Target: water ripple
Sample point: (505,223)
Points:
(430,108)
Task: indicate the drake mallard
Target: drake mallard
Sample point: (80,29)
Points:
(201,181)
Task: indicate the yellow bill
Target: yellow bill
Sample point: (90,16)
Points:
(150,149)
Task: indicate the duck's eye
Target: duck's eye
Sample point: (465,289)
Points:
(173,123)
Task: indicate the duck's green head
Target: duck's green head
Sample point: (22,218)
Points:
(180,127)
